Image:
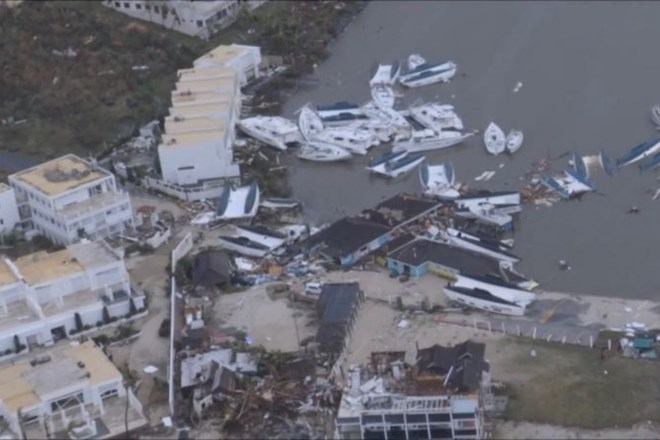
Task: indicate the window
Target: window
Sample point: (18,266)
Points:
(138,6)
(147,7)
(199,23)
(127,5)
(117,5)
(156,9)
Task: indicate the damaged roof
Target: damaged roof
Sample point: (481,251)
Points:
(347,235)
(337,304)
(464,363)
(398,210)
(211,268)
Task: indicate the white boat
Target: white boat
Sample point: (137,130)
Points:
(382,130)
(436,116)
(655,115)
(309,123)
(264,236)
(498,288)
(400,166)
(203,218)
(427,74)
(243,245)
(426,140)
(568,184)
(501,198)
(489,248)
(295,232)
(379,164)
(383,96)
(494,139)
(641,151)
(514,141)
(399,124)
(385,74)
(279,203)
(483,300)
(488,214)
(438,180)
(353,141)
(274,131)
(322,152)
(338,108)
(415,60)
(241,202)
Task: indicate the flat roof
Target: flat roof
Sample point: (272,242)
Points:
(205,72)
(183,125)
(200,109)
(200,85)
(191,139)
(185,97)
(42,267)
(399,209)
(222,54)
(60,175)
(7,276)
(347,235)
(23,385)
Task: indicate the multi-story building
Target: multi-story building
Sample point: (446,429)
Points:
(45,297)
(198,18)
(9,217)
(68,198)
(245,59)
(70,391)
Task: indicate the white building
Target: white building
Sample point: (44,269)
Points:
(196,18)
(72,391)
(245,59)
(9,217)
(45,297)
(68,198)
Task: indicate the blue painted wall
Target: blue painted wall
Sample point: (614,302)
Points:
(398,267)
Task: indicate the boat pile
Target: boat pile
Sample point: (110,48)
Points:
(497,142)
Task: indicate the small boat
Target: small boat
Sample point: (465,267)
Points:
(388,116)
(379,164)
(383,96)
(244,246)
(353,141)
(279,203)
(426,74)
(274,131)
(568,185)
(438,180)
(399,167)
(322,152)
(426,140)
(264,236)
(382,130)
(494,139)
(607,164)
(385,74)
(641,151)
(309,123)
(514,141)
(415,60)
(483,300)
(655,115)
(651,163)
(436,116)
(499,288)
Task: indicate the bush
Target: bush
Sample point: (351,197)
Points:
(101,340)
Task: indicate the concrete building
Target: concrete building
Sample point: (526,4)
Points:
(68,198)
(201,18)
(71,391)
(245,59)
(46,297)
(9,217)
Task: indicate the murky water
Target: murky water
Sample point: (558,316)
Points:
(590,73)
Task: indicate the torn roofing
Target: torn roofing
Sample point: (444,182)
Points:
(465,361)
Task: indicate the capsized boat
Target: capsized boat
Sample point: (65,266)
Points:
(502,289)
(438,180)
(483,300)
(415,60)
(383,96)
(426,140)
(264,236)
(650,163)
(607,164)
(353,141)
(641,151)
(274,131)
(385,74)
(280,203)
(309,123)
(401,166)
(243,245)
(241,202)
(322,152)
(436,116)
(426,74)
(494,139)
(514,141)
(379,164)
(655,115)
(580,166)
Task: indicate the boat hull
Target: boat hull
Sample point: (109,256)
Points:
(430,144)
(261,137)
(403,169)
(484,305)
(494,139)
(242,249)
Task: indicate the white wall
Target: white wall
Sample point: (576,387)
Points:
(210,160)
(246,63)
(8,210)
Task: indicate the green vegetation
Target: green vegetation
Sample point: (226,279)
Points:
(567,385)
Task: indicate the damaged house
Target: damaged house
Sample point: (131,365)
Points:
(211,269)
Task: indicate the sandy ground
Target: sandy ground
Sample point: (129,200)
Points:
(510,430)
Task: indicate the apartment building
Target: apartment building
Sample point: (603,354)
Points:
(245,59)
(68,198)
(9,217)
(198,18)
(70,391)
(46,297)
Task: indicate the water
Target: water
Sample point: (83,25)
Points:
(590,73)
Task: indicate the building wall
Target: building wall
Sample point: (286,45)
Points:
(9,217)
(401,268)
(366,250)
(246,64)
(187,165)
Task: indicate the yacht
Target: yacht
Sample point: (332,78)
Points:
(274,131)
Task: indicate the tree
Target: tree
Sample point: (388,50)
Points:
(106,315)
(17,343)
(79,323)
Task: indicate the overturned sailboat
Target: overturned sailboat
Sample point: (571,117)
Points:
(241,202)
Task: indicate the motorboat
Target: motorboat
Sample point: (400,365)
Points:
(385,74)
(383,96)
(499,288)
(398,122)
(274,131)
(494,139)
(438,180)
(641,151)
(241,202)
(323,152)
(483,300)
(426,74)
(309,123)
(353,141)
(379,164)
(650,163)
(280,203)
(264,236)
(655,115)
(415,60)
(399,167)
(341,119)
(243,245)
(427,140)
(514,141)
(436,116)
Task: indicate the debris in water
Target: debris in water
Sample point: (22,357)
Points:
(518,86)
(563,265)
(485,176)
(656,195)
(501,166)
(633,210)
